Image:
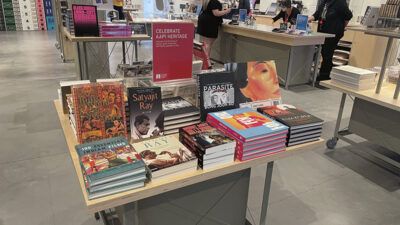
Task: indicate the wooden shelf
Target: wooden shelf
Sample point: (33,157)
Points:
(162,185)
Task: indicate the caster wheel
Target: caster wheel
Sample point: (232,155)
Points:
(331,144)
(97,216)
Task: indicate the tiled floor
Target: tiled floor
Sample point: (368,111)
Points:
(38,185)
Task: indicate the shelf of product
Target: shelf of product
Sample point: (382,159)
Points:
(353,77)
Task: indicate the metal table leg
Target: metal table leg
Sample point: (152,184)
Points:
(78,55)
(396,92)
(267,189)
(129,214)
(316,63)
(332,142)
(123,53)
(136,50)
(383,69)
(86,75)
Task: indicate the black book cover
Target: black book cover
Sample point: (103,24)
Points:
(216,92)
(139,28)
(177,107)
(290,115)
(145,109)
(85,20)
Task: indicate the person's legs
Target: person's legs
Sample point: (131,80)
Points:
(328,49)
(120,12)
(208,42)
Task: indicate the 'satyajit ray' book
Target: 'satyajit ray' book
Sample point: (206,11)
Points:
(245,124)
(177,107)
(216,92)
(99,111)
(145,109)
(108,157)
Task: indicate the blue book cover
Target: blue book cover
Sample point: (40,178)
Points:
(248,123)
(242,15)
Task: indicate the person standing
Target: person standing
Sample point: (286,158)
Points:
(288,13)
(210,19)
(118,6)
(333,17)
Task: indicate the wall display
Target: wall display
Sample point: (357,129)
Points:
(17,15)
(165,155)
(256,84)
(216,92)
(85,20)
(28,15)
(99,110)
(146,117)
(172,51)
(41,17)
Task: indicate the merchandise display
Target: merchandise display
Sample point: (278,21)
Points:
(353,77)
(115,30)
(303,127)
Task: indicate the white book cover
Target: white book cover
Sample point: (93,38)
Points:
(355,72)
(352,80)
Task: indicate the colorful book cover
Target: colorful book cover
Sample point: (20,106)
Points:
(108,157)
(247,123)
(177,107)
(85,20)
(216,92)
(145,109)
(290,115)
(256,84)
(163,152)
(99,110)
(206,136)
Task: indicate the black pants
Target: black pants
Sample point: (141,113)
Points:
(120,12)
(327,56)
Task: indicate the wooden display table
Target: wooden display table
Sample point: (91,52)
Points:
(190,180)
(375,117)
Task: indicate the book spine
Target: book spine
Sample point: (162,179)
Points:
(219,125)
(116,170)
(77,115)
(193,144)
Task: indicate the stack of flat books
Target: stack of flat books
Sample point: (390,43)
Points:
(256,135)
(353,77)
(211,146)
(166,156)
(178,113)
(111,166)
(303,127)
(115,30)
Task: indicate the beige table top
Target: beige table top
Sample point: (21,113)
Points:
(159,186)
(385,98)
(137,37)
(264,32)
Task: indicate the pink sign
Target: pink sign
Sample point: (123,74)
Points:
(172,51)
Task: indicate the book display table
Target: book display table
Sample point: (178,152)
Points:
(215,196)
(88,67)
(375,117)
(293,54)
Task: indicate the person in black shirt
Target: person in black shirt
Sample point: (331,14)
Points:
(333,16)
(210,19)
(288,13)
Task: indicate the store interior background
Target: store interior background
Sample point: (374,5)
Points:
(38,184)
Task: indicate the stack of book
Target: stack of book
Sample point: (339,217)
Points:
(256,135)
(69,22)
(166,156)
(71,115)
(391,9)
(115,30)
(178,113)
(353,77)
(110,166)
(303,127)
(211,146)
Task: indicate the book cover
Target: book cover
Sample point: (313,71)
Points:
(246,123)
(107,157)
(255,82)
(145,108)
(139,28)
(206,136)
(291,116)
(99,111)
(163,152)
(177,107)
(85,20)
(216,92)
(66,89)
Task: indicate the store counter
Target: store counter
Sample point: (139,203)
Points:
(293,54)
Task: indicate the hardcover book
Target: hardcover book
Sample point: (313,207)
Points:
(109,157)
(165,155)
(246,124)
(85,20)
(216,92)
(177,107)
(145,108)
(256,83)
(99,111)
(291,116)
(66,89)
(139,28)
